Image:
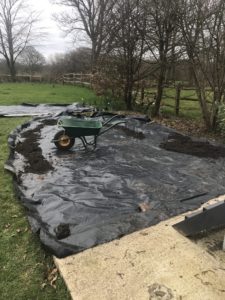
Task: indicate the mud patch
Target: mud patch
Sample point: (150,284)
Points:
(50,122)
(30,149)
(184,144)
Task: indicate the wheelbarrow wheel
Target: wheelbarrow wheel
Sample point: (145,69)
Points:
(63,141)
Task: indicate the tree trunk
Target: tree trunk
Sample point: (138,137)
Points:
(13,72)
(12,69)
(160,89)
(177,99)
(190,75)
(93,58)
(202,101)
(128,95)
(215,108)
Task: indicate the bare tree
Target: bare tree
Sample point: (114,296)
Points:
(91,17)
(161,40)
(128,45)
(32,60)
(203,28)
(16,25)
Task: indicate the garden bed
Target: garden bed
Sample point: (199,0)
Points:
(85,198)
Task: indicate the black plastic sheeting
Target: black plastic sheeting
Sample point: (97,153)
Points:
(87,198)
(29,109)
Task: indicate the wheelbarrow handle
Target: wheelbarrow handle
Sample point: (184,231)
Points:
(110,127)
(108,121)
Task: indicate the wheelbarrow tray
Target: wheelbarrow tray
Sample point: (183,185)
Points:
(78,127)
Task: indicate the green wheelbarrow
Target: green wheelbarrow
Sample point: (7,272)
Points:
(73,128)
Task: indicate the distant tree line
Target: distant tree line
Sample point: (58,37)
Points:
(132,40)
(30,62)
(76,61)
(19,33)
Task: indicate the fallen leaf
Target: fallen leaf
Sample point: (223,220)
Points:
(52,282)
(144,206)
(43,285)
(52,277)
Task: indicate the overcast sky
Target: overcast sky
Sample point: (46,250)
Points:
(56,41)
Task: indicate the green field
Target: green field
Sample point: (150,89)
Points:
(25,266)
(17,93)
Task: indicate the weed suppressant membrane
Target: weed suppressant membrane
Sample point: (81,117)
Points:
(134,178)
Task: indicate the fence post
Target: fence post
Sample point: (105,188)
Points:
(177,99)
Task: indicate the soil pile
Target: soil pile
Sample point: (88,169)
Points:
(30,149)
(184,144)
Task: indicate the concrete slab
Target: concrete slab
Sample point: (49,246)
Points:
(155,263)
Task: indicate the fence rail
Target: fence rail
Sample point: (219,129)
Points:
(77,79)
(21,78)
(147,96)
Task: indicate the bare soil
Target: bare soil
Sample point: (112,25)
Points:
(30,149)
(194,128)
(184,144)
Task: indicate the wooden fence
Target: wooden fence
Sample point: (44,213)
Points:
(147,96)
(77,79)
(177,99)
(21,78)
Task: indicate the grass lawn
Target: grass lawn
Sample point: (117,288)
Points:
(26,269)
(17,93)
